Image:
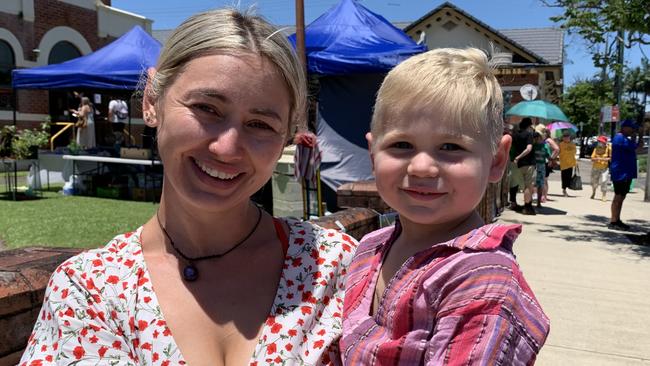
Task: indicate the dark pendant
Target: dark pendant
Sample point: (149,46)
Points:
(190,273)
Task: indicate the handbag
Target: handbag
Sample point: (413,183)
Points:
(576,182)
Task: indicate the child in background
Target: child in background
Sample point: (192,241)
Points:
(439,287)
(542,154)
(600,158)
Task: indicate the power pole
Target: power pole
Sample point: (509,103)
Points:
(300,33)
(618,80)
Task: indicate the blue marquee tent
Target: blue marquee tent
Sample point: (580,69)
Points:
(118,65)
(351,49)
(349,38)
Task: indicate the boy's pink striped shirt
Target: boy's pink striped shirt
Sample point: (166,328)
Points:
(463,302)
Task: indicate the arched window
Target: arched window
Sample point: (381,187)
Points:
(63,51)
(7,63)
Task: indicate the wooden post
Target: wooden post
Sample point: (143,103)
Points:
(300,33)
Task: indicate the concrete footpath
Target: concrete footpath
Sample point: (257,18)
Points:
(592,282)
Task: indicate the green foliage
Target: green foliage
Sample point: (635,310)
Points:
(22,144)
(583,100)
(69,221)
(598,21)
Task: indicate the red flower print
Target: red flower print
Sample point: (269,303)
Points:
(146,346)
(299,241)
(129,263)
(296,262)
(155,357)
(271,348)
(289,283)
(69,312)
(305,310)
(270,320)
(288,347)
(292,332)
(36,363)
(321,332)
(142,281)
(113,280)
(146,299)
(102,351)
(319,343)
(94,339)
(117,344)
(320,261)
(97,262)
(142,325)
(49,358)
(346,247)
(165,363)
(64,293)
(276,328)
(314,253)
(277,360)
(78,352)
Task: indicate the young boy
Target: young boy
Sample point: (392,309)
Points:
(439,287)
(542,154)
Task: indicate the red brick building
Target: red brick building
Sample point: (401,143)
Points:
(42,32)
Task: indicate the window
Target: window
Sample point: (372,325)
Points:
(7,63)
(63,51)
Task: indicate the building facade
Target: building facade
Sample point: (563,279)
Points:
(526,56)
(42,32)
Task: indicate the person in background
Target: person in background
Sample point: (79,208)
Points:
(551,161)
(623,168)
(567,160)
(525,160)
(86,124)
(600,158)
(210,279)
(515,180)
(542,155)
(440,287)
(118,115)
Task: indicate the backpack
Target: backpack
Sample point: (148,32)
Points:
(122,111)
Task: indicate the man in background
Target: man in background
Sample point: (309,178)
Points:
(623,168)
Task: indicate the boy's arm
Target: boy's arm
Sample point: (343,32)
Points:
(505,325)
(555,147)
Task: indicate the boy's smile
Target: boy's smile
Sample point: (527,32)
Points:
(429,171)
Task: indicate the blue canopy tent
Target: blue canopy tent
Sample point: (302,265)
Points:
(351,49)
(118,65)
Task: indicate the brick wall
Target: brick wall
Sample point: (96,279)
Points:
(24,274)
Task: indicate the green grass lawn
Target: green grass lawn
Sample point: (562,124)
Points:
(68,221)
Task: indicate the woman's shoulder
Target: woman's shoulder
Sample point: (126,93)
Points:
(122,255)
(328,242)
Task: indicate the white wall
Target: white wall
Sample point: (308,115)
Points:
(15,7)
(115,22)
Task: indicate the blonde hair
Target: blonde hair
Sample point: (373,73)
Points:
(231,31)
(458,84)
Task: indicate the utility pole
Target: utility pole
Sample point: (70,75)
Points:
(300,33)
(618,80)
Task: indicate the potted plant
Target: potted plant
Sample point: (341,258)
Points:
(25,143)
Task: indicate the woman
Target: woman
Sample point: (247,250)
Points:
(555,151)
(600,157)
(567,160)
(86,124)
(211,279)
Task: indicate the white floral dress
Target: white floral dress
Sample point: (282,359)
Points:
(100,307)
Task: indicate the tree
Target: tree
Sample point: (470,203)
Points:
(582,102)
(602,22)
(637,87)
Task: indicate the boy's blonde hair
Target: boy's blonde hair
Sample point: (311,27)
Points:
(458,84)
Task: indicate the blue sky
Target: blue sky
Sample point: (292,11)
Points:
(500,14)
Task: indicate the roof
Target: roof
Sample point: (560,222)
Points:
(546,42)
(447,4)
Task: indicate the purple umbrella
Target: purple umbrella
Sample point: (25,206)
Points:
(556,128)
